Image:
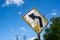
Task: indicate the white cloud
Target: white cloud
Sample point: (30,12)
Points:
(19,13)
(22,28)
(15,2)
(12,30)
(34,38)
(54,13)
(53,10)
(42,38)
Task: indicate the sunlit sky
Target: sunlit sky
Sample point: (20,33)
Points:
(11,12)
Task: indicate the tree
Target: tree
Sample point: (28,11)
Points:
(53,33)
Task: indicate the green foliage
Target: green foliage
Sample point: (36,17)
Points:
(53,33)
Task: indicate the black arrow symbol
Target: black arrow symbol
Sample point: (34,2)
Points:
(38,17)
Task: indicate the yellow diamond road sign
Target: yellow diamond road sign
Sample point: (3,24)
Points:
(36,20)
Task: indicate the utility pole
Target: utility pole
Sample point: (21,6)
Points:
(16,37)
(24,37)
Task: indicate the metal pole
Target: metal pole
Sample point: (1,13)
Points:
(38,37)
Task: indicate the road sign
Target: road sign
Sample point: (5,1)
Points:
(36,20)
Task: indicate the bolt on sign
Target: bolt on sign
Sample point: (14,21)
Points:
(36,20)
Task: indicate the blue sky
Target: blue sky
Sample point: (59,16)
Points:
(11,12)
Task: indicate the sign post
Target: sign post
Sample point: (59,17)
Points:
(39,37)
(36,21)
